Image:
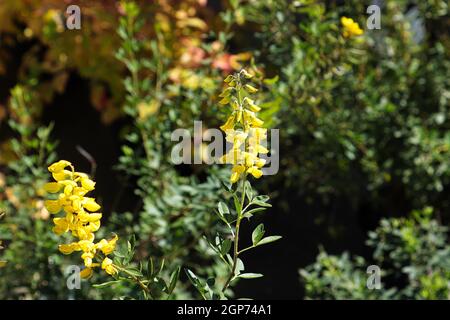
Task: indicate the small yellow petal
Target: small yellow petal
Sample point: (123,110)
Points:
(86,273)
(250,89)
(52,187)
(53,206)
(88,184)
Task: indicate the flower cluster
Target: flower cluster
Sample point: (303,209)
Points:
(243,128)
(81,217)
(351,28)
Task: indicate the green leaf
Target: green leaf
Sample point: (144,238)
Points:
(105,284)
(237,204)
(133,272)
(262,201)
(268,240)
(250,213)
(249,191)
(239,266)
(192,277)
(173,280)
(225,246)
(250,275)
(271,81)
(223,208)
(150,268)
(257,234)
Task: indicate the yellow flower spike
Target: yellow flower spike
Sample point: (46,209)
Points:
(244,116)
(52,187)
(72,187)
(53,206)
(86,273)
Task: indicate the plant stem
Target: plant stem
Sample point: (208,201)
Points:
(236,238)
(138,282)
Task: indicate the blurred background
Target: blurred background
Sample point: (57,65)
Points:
(364,138)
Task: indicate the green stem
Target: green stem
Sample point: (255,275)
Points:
(138,281)
(236,238)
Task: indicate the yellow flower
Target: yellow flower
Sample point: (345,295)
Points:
(250,104)
(87,184)
(59,166)
(236,173)
(53,206)
(249,134)
(351,28)
(52,187)
(90,204)
(61,226)
(254,171)
(108,266)
(250,88)
(61,175)
(87,257)
(108,247)
(237,137)
(229,125)
(72,187)
(86,273)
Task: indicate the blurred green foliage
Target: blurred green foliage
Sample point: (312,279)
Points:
(412,254)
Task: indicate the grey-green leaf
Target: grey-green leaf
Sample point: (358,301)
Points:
(257,234)
(268,240)
(250,275)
